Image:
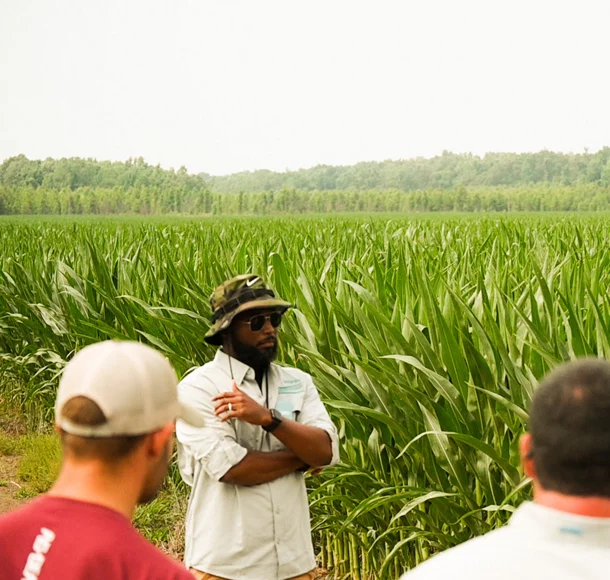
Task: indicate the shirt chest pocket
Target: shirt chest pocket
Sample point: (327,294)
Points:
(289,403)
(290,400)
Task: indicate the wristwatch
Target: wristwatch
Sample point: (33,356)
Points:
(276,419)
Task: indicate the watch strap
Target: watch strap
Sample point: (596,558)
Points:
(276,420)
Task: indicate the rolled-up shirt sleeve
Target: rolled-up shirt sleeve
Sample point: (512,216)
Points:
(314,414)
(215,445)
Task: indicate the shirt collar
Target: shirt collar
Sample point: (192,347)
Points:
(240,370)
(555,525)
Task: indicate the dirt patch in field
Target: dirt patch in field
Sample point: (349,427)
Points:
(11,427)
(9,487)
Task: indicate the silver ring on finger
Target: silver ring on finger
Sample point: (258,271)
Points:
(230,407)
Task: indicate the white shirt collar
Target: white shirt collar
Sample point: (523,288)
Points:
(556,525)
(240,370)
(232,367)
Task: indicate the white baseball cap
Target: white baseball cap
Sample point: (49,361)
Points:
(134,385)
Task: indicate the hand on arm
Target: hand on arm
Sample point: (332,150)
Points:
(235,404)
(311,445)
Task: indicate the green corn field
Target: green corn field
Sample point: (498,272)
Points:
(426,338)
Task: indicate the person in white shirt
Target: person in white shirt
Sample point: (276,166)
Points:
(265,426)
(565,532)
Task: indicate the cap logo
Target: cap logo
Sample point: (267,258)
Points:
(252,282)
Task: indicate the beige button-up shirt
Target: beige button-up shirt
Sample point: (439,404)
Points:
(259,532)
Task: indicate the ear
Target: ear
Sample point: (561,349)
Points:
(157,441)
(527,456)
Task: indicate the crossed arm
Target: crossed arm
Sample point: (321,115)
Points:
(308,446)
(262,467)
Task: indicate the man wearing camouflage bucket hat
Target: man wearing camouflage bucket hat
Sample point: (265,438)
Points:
(265,426)
(245,292)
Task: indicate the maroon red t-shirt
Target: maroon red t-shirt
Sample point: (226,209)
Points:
(54,538)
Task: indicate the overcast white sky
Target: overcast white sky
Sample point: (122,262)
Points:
(227,85)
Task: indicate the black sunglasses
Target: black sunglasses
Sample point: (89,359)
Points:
(257,322)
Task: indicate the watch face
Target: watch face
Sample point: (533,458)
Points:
(277,416)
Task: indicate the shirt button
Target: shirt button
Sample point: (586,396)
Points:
(277,510)
(277,541)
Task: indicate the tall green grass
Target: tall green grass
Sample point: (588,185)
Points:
(426,338)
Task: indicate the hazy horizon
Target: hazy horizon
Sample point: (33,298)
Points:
(223,88)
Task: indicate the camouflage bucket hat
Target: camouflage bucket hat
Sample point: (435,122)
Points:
(245,292)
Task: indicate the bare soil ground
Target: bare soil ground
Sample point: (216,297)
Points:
(10,426)
(9,487)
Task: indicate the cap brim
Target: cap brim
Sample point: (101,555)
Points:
(213,335)
(190,415)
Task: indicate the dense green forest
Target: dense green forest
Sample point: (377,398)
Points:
(542,181)
(446,171)
(87,186)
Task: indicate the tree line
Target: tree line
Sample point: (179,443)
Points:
(150,201)
(446,171)
(74,173)
(87,186)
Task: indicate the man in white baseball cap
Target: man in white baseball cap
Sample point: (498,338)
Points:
(116,407)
